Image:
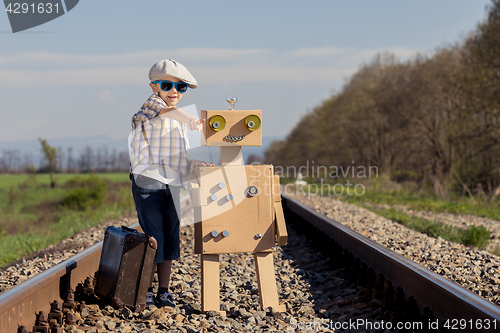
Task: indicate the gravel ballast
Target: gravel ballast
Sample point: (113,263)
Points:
(471,268)
(317,294)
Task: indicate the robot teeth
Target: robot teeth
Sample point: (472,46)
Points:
(235,138)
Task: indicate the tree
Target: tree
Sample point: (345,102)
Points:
(479,164)
(50,155)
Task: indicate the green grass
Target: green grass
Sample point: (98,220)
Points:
(415,201)
(34,216)
(8,180)
(15,246)
(472,236)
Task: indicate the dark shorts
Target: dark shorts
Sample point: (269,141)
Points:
(156,209)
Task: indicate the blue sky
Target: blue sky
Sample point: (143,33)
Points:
(86,72)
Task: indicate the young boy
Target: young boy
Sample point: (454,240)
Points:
(160,165)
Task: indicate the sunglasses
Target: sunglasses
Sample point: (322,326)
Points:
(181,87)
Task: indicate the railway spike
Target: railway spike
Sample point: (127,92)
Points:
(71,318)
(379,287)
(388,291)
(428,315)
(371,278)
(399,298)
(367,296)
(69,302)
(41,324)
(56,328)
(362,275)
(22,329)
(55,314)
(412,311)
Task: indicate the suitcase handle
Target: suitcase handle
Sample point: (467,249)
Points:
(128,229)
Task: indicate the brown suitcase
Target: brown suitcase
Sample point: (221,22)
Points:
(125,267)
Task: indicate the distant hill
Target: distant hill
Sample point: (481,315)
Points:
(33,146)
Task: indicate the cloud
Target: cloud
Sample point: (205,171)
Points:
(76,77)
(136,76)
(128,58)
(315,52)
(323,65)
(269,74)
(106,96)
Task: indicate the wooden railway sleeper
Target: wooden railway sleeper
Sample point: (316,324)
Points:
(85,291)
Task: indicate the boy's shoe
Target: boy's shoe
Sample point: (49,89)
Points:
(150,300)
(165,299)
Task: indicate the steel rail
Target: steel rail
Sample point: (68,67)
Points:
(447,300)
(19,304)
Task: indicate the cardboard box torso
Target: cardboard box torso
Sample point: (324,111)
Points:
(248,219)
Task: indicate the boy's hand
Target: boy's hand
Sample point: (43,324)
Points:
(182,116)
(195,163)
(196,124)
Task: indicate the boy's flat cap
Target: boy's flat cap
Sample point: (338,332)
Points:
(173,68)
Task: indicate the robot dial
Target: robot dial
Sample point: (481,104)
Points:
(252,190)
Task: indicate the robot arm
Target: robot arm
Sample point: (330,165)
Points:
(278,212)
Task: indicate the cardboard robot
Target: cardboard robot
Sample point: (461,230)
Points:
(237,207)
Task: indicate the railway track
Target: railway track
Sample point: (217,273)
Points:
(439,302)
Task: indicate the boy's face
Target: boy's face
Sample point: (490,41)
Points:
(170,97)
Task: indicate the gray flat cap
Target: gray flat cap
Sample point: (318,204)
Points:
(173,68)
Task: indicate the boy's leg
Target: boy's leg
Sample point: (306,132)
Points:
(163,297)
(156,209)
(149,198)
(164,271)
(171,246)
(171,225)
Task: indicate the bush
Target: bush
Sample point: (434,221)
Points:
(86,193)
(405,176)
(476,236)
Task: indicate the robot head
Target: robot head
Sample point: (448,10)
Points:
(232,128)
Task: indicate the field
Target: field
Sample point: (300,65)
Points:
(8,180)
(34,216)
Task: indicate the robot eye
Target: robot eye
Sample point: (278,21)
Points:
(252,122)
(217,123)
